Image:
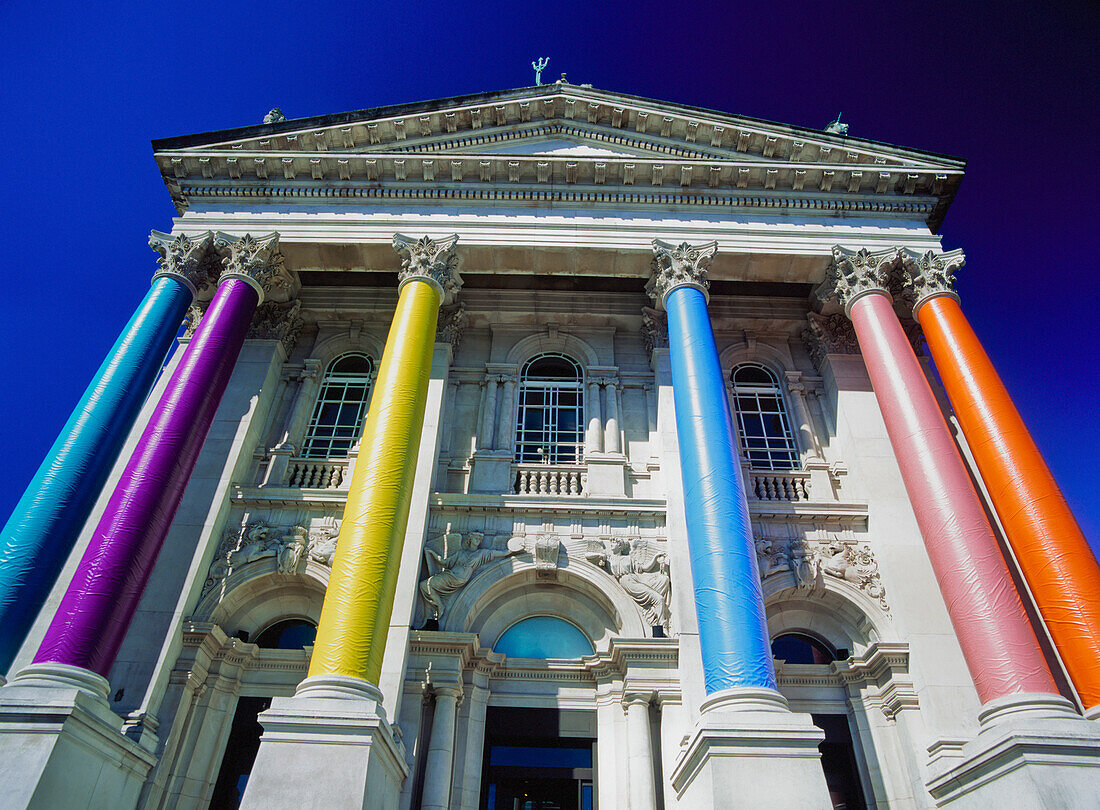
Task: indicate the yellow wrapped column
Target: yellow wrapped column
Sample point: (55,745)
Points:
(351,636)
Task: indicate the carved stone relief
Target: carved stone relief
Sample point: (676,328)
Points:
(288,546)
(452,560)
(275,321)
(820,555)
(641,568)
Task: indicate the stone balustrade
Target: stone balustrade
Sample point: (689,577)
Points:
(779,485)
(541,479)
(306,473)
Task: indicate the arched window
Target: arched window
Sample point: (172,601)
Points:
(288,634)
(337,418)
(765,430)
(543,637)
(550,426)
(798,648)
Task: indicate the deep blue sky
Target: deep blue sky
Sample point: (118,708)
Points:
(85,86)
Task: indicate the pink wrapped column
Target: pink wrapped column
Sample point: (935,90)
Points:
(997,640)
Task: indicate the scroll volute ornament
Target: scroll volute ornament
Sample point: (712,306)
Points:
(853,274)
(187,258)
(433,260)
(682,265)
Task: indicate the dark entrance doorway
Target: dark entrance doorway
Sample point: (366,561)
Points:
(534,761)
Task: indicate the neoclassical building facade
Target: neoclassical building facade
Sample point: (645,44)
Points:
(552,449)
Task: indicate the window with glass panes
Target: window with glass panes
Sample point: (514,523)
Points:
(337,418)
(550,423)
(761,419)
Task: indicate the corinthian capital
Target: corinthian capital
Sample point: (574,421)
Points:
(186,258)
(256,261)
(431,260)
(853,274)
(930,275)
(680,265)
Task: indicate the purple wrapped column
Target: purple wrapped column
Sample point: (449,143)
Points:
(96,610)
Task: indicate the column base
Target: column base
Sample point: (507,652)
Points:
(61,746)
(750,750)
(491,472)
(1032,750)
(606,475)
(328,746)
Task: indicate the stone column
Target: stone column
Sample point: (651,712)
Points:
(437,772)
(95,611)
(485,439)
(612,442)
(45,524)
(639,746)
(593,439)
(1050,548)
(475,748)
(651,419)
(743,713)
(300,405)
(505,427)
(803,424)
(729,600)
(1000,647)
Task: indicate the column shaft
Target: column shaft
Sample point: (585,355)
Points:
(611,441)
(1000,647)
(643,794)
(46,522)
(801,414)
(507,414)
(593,440)
(475,749)
(728,599)
(351,636)
(437,770)
(1052,552)
(101,599)
(489,416)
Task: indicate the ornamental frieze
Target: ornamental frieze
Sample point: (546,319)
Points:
(821,556)
(290,548)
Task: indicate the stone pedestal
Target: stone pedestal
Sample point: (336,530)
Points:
(750,750)
(1031,751)
(61,746)
(328,747)
(606,475)
(491,472)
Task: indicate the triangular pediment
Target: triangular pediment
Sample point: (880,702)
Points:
(562,135)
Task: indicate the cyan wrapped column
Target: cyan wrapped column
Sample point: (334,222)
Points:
(96,610)
(46,522)
(728,598)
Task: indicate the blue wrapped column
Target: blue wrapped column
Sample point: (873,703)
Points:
(46,522)
(729,601)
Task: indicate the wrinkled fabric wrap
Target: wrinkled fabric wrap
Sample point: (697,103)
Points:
(46,522)
(996,637)
(1051,549)
(351,636)
(733,633)
(97,608)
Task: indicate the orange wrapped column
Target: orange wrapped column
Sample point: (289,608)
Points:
(1053,554)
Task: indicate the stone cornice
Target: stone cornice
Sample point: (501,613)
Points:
(449,145)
